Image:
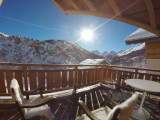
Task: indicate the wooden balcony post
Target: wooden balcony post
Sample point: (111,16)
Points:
(25,77)
(136,73)
(75,78)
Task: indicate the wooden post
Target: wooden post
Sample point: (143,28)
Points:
(25,77)
(136,73)
(75,78)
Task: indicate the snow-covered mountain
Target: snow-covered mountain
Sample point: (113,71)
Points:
(131,50)
(109,55)
(18,49)
(134,56)
(96,52)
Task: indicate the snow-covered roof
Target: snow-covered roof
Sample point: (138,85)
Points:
(92,61)
(141,35)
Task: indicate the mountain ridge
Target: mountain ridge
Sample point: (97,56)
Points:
(18,49)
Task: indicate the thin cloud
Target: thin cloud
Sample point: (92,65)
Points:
(34,25)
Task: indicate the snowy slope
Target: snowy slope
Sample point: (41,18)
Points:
(18,49)
(135,48)
(134,56)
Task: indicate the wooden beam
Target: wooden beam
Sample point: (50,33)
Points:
(74,4)
(118,18)
(115,7)
(90,5)
(151,14)
(58,5)
(1,2)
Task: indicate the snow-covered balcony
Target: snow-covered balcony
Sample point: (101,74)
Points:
(67,81)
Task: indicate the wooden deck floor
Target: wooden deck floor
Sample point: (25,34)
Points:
(65,108)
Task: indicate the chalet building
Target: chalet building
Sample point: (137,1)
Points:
(95,62)
(152,42)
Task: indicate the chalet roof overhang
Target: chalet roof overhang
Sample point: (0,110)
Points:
(140,36)
(141,13)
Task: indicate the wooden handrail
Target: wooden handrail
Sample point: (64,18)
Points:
(67,76)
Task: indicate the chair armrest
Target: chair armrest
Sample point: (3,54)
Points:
(87,111)
(107,98)
(45,101)
(27,93)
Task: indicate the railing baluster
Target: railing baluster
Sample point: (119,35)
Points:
(70,78)
(64,79)
(89,76)
(2,83)
(49,80)
(57,80)
(79,77)
(25,77)
(84,77)
(9,77)
(41,79)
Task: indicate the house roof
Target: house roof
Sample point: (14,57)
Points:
(141,13)
(141,35)
(92,61)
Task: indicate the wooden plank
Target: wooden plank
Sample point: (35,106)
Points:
(90,5)
(118,77)
(92,76)
(123,80)
(26,77)
(41,79)
(57,79)
(89,76)
(96,75)
(131,74)
(9,77)
(94,100)
(84,77)
(80,78)
(113,76)
(74,4)
(141,76)
(32,79)
(115,7)
(99,75)
(2,83)
(105,74)
(152,50)
(151,13)
(64,79)
(89,101)
(50,80)
(109,75)
(70,79)
(18,77)
(147,77)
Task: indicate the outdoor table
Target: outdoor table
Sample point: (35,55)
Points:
(145,86)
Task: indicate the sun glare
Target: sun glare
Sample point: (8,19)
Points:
(87,35)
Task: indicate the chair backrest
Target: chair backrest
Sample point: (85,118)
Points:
(127,107)
(15,91)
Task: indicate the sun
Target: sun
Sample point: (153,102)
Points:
(87,35)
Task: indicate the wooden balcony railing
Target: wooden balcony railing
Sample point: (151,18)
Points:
(61,77)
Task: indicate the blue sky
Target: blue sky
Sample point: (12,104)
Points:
(42,20)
